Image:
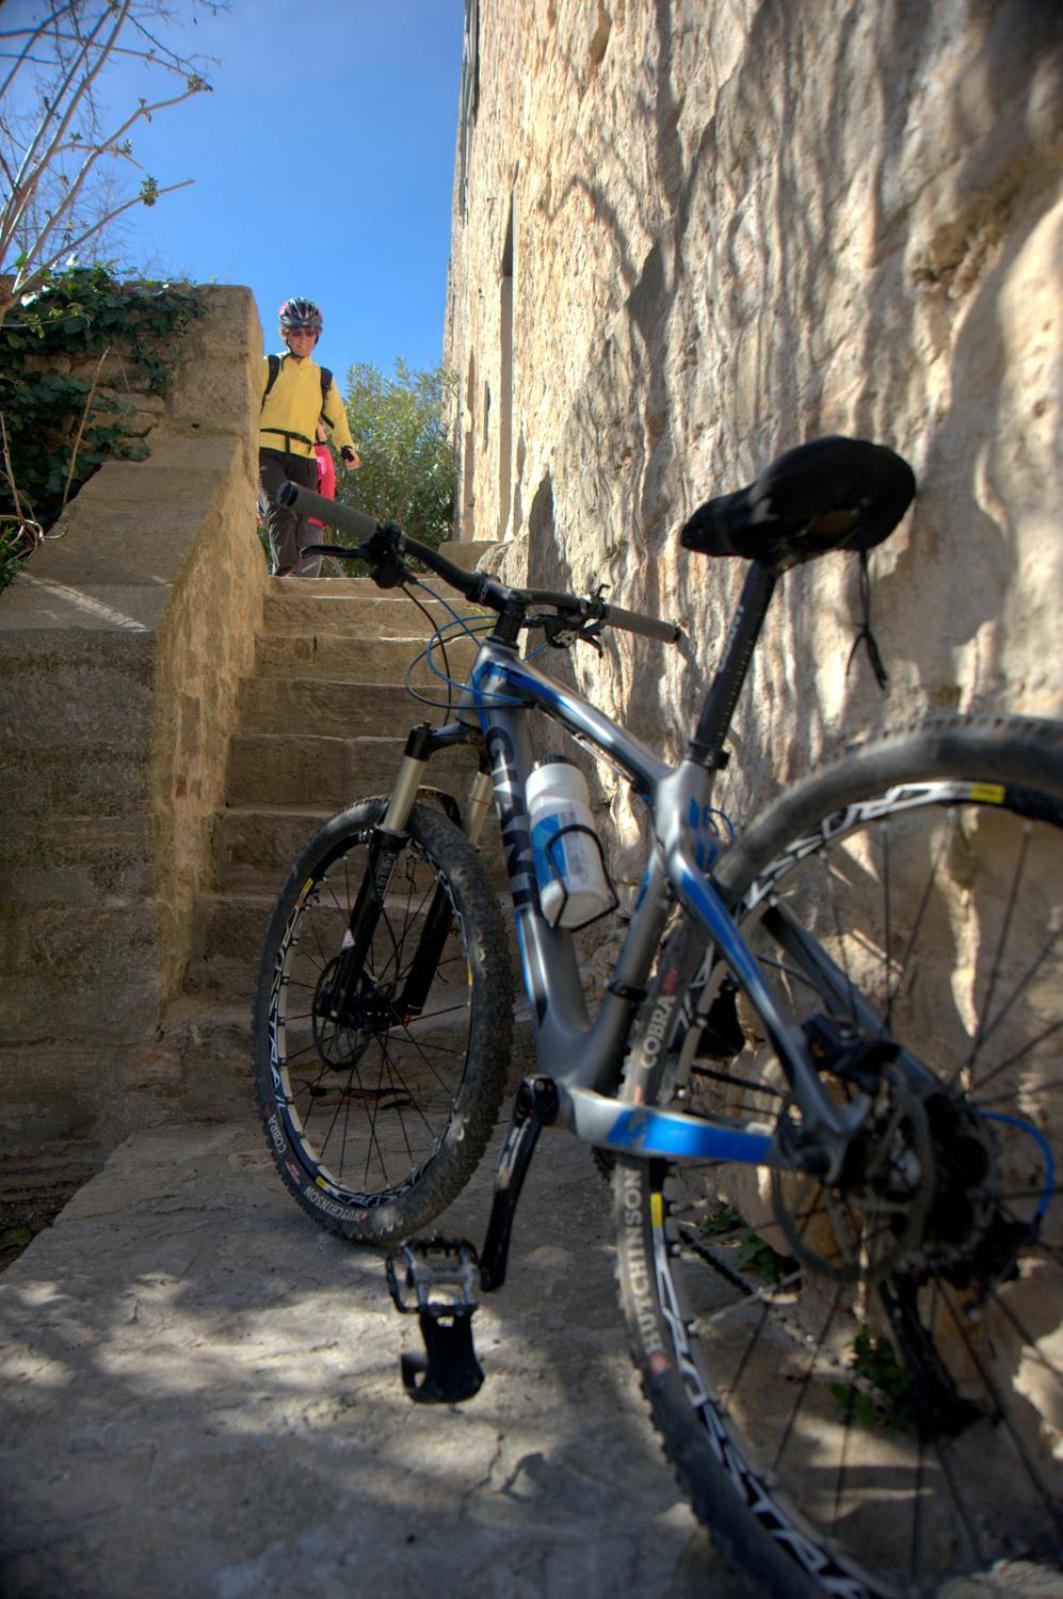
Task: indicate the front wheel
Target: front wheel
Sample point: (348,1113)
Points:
(382,1024)
(860,1384)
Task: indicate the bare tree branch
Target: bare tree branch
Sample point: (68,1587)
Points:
(47,158)
(72,246)
(105,148)
(29,173)
(9,470)
(22,57)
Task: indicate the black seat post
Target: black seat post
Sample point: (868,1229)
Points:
(706,746)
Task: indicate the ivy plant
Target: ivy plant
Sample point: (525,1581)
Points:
(59,429)
(879,1393)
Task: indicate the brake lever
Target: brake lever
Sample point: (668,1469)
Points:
(384,554)
(558,629)
(562,634)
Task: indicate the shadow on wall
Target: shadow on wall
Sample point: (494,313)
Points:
(948,254)
(832,263)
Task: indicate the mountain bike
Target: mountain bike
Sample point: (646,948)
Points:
(823,1072)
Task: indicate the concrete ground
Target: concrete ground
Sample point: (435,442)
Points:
(200,1399)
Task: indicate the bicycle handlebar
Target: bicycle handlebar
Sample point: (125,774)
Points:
(636,622)
(307,503)
(476,586)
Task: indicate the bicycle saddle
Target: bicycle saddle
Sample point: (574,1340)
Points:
(833,493)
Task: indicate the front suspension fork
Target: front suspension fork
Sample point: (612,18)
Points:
(387,842)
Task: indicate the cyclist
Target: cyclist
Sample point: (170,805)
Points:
(294,396)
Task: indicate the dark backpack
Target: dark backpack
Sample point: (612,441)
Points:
(274,369)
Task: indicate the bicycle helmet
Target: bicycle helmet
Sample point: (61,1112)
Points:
(300,314)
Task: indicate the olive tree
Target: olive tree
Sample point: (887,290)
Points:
(401,425)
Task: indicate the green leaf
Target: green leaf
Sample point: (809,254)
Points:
(80,311)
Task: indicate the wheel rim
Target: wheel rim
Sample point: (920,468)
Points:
(906,1420)
(367,1105)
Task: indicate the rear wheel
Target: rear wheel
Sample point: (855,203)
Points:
(380,1067)
(861,1383)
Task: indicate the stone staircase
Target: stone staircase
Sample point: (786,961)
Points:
(322,722)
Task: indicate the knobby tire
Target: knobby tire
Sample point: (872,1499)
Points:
(377,1119)
(863,1397)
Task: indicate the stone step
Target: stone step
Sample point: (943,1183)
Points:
(368,615)
(102,779)
(46,1175)
(60,962)
(226,938)
(360,588)
(306,705)
(316,771)
(328,681)
(342,658)
(211,1040)
(254,848)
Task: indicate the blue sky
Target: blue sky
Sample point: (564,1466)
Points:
(324,163)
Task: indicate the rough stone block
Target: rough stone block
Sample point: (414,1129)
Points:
(81,862)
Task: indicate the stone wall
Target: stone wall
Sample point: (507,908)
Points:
(121,650)
(687,237)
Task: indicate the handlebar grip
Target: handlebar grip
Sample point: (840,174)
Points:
(648,626)
(343,517)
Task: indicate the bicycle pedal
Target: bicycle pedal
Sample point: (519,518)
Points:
(438,1275)
(438,1279)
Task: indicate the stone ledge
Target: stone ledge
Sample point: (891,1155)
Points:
(35,604)
(121,650)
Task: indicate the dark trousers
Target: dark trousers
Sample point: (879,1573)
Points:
(288,531)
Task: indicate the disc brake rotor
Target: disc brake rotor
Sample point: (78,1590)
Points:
(860,1228)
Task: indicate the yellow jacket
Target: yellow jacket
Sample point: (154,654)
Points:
(293,405)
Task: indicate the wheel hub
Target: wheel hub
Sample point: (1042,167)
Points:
(345,1026)
(876,1213)
(920,1178)
(968,1240)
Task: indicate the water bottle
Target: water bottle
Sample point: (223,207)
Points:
(573,887)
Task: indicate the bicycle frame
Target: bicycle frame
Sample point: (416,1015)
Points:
(500,693)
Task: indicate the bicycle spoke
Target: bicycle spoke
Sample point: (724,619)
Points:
(887,924)
(941,848)
(1013,1060)
(374,1136)
(1003,1413)
(1002,939)
(802,1392)
(1029,1341)
(737,1082)
(907,927)
(963,1512)
(371,1089)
